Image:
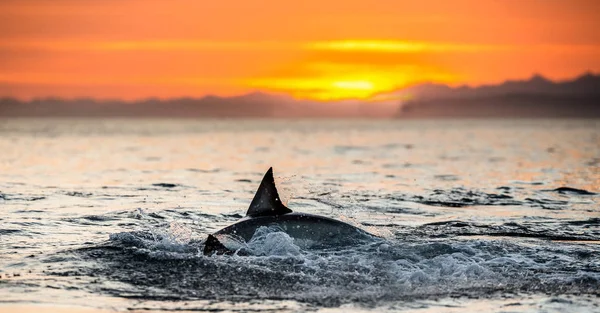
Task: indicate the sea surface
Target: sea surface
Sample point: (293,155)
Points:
(473,215)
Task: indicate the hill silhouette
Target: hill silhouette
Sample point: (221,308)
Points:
(253,105)
(250,105)
(536,97)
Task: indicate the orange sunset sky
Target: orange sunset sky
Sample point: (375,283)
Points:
(311,49)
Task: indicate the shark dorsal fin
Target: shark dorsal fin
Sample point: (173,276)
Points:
(266,201)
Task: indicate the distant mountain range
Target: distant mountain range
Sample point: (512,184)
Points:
(536,97)
(253,105)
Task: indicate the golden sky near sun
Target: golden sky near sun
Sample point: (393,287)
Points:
(315,49)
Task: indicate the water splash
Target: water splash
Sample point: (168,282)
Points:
(272,241)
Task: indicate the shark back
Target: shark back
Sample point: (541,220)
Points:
(267,210)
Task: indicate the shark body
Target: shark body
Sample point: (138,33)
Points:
(267,210)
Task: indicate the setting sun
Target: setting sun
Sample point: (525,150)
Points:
(353,85)
(324,89)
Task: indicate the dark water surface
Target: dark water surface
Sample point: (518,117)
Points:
(474,215)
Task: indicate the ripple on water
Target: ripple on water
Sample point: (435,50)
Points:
(452,236)
(9,231)
(575,191)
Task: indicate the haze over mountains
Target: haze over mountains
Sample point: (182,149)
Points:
(536,97)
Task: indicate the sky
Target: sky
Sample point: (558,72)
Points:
(309,49)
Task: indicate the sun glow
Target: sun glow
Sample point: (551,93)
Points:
(358,89)
(333,81)
(315,89)
(325,88)
(354,85)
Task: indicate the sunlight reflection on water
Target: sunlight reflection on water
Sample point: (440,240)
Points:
(67,184)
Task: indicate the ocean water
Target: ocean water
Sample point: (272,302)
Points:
(474,215)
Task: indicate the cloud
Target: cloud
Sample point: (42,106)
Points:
(398,46)
(404,46)
(350,45)
(144,45)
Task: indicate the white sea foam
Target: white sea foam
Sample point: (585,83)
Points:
(272,241)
